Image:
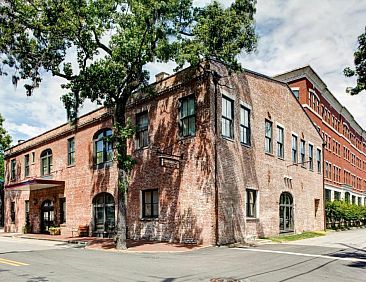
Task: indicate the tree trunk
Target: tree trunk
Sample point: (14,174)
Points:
(120,122)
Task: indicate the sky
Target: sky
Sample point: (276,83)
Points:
(292,33)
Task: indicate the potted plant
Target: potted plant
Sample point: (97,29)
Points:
(54,230)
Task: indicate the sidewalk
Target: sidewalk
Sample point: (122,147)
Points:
(97,243)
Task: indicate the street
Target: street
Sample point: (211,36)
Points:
(340,256)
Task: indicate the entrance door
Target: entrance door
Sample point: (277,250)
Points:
(104,217)
(286,213)
(47,216)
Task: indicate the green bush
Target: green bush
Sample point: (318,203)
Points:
(342,214)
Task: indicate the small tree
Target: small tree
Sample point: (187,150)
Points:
(113,42)
(360,66)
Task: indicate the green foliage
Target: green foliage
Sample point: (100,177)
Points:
(360,66)
(5,141)
(112,42)
(342,211)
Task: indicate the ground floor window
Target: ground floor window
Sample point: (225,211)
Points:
(337,196)
(328,195)
(251,203)
(26,208)
(104,212)
(12,212)
(150,203)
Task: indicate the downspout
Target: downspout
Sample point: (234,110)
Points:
(215,79)
(323,192)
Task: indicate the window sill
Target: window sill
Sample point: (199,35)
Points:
(269,154)
(253,219)
(246,145)
(186,137)
(227,138)
(105,165)
(71,165)
(281,158)
(149,219)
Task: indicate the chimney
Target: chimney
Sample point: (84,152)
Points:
(160,76)
(20,141)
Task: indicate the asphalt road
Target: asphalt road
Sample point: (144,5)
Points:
(33,260)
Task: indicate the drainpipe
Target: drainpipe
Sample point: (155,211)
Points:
(215,79)
(323,192)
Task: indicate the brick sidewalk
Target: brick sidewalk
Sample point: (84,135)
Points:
(97,243)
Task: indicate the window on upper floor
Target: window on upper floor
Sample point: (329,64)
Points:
(319,160)
(12,169)
(244,125)
(227,121)
(295,92)
(251,203)
(150,203)
(71,151)
(142,130)
(187,113)
(268,148)
(103,152)
(311,156)
(46,162)
(26,165)
(294,149)
(280,142)
(302,152)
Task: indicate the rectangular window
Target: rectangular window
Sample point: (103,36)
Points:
(12,169)
(26,208)
(187,116)
(26,165)
(227,124)
(251,203)
(244,125)
(33,157)
(62,210)
(302,152)
(337,196)
(311,156)
(12,212)
(71,151)
(280,141)
(142,131)
(294,149)
(327,195)
(150,203)
(268,137)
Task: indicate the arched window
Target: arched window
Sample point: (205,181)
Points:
(102,147)
(46,162)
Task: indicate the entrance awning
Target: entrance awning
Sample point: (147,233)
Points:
(35,184)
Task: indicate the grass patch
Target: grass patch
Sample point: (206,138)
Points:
(295,237)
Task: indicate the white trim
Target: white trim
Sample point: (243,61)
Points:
(227,94)
(295,88)
(245,105)
(316,95)
(280,125)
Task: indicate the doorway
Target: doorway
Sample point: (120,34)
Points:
(286,213)
(47,216)
(104,214)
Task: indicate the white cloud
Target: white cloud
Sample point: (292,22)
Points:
(292,34)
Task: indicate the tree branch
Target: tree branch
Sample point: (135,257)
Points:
(100,44)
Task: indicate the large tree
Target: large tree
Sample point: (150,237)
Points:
(113,41)
(5,141)
(360,66)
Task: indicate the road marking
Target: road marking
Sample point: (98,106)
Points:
(301,254)
(12,262)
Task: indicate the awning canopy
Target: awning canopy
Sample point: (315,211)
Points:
(35,184)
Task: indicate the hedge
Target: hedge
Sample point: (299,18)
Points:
(341,214)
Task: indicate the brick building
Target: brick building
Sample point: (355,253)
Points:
(220,158)
(345,149)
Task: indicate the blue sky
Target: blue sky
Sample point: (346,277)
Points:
(292,33)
